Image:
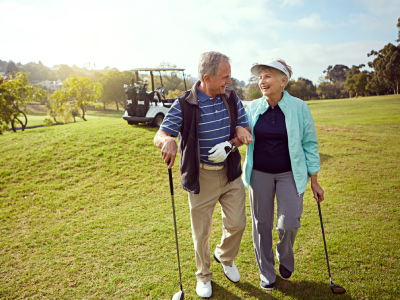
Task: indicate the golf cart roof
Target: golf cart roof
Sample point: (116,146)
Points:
(157,69)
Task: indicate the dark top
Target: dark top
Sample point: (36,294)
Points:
(271,150)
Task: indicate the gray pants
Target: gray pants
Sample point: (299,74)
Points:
(262,190)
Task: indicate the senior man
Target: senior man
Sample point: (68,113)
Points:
(205,119)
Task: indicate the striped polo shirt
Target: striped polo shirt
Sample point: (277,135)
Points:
(214,125)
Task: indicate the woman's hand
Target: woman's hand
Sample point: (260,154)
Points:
(317,189)
(244,135)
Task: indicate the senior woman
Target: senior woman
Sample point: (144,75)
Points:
(280,162)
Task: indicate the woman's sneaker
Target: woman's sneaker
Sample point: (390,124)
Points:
(284,273)
(266,286)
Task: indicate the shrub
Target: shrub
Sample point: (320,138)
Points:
(48,122)
(255,95)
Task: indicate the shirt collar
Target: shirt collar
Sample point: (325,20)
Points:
(202,97)
(263,105)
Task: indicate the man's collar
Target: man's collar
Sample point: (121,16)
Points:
(202,97)
(192,98)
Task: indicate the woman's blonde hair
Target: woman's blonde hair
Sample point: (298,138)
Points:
(280,74)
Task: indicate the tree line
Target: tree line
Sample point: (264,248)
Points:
(81,88)
(341,81)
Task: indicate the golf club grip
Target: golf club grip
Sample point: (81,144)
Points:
(171,185)
(323,235)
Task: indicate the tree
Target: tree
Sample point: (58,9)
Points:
(14,94)
(302,88)
(336,76)
(74,113)
(252,88)
(398,26)
(39,72)
(174,94)
(164,64)
(337,73)
(65,112)
(235,84)
(375,86)
(64,71)
(52,108)
(95,75)
(354,70)
(170,82)
(357,83)
(387,65)
(113,87)
(327,90)
(80,91)
(11,67)
(255,94)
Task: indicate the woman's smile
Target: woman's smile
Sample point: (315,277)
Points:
(264,88)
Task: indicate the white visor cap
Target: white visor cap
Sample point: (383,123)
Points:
(273,64)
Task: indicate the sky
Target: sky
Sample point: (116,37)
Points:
(126,34)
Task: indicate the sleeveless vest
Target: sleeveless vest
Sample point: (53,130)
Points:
(188,139)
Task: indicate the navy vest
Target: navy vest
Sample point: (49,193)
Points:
(189,148)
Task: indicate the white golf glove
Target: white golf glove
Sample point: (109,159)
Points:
(220,154)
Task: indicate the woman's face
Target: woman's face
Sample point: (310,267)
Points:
(270,84)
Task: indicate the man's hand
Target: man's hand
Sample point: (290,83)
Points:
(244,135)
(317,190)
(167,144)
(220,154)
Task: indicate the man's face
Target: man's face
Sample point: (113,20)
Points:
(218,83)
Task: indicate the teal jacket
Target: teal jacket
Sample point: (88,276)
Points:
(302,138)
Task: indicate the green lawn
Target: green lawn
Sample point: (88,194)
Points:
(37,113)
(85,213)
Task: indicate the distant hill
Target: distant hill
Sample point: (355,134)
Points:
(40,72)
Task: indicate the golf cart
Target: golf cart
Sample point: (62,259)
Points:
(147,107)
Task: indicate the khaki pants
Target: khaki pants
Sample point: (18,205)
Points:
(214,187)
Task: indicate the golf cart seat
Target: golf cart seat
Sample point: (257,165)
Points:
(168,102)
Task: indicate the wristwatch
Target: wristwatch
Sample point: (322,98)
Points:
(234,147)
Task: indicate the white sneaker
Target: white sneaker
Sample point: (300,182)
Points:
(203,289)
(232,273)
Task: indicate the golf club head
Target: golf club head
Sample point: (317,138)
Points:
(178,296)
(337,289)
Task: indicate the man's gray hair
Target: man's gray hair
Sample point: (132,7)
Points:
(209,63)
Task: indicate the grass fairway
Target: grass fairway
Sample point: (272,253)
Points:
(38,112)
(85,213)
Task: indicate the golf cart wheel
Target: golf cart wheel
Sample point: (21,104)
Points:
(158,120)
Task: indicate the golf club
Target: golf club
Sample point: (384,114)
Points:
(336,289)
(179,295)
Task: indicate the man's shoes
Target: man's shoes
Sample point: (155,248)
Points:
(266,286)
(284,273)
(232,273)
(203,289)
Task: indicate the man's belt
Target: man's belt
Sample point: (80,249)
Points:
(211,167)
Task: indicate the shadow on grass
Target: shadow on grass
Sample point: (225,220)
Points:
(297,290)
(324,157)
(219,292)
(307,289)
(254,291)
